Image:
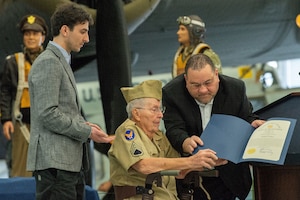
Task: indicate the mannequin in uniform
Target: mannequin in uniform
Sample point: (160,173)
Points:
(16,70)
(191,38)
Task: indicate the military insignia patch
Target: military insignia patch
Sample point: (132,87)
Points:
(129,134)
(136,150)
(30,19)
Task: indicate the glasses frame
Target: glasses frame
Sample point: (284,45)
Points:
(154,110)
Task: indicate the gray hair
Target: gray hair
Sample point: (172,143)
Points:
(134,104)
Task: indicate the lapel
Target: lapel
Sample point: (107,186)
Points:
(196,114)
(66,66)
(220,98)
(192,110)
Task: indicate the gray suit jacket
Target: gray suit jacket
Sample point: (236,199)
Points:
(58,129)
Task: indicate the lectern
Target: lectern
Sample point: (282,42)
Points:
(281,182)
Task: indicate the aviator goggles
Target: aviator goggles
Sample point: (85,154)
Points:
(185,20)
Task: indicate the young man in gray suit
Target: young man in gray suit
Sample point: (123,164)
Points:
(59,132)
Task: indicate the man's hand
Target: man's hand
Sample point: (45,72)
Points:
(206,163)
(257,123)
(221,161)
(191,143)
(204,159)
(8,128)
(98,135)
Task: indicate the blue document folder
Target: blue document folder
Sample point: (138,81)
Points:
(234,139)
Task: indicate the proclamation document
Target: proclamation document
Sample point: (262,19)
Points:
(267,141)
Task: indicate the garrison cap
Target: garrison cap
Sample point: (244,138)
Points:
(34,23)
(146,89)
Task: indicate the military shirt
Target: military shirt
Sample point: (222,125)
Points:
(132,145)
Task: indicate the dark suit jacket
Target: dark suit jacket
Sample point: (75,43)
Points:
(182,119)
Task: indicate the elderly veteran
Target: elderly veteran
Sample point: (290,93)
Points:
(140,148)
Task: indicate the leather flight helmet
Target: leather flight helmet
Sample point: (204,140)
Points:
(195,26)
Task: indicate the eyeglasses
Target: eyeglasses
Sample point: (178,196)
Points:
(185,20)
(206,84)
(155,110)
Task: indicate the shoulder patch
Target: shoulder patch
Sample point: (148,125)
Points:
(136,150)
(129,134)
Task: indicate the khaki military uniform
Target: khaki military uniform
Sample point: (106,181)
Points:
(132,145)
